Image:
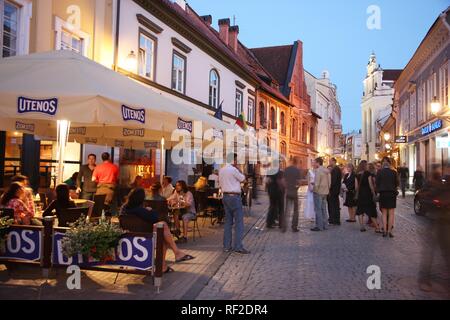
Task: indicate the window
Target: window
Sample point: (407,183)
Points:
(294,129)
(444,85)
(214,84)
(69,38)
(147,55)
(420,103)
(178,72)
(239,108)
(262,115)
(10,29)
(283,149)
(71,42)
(304,132)
(311,136)
(283,123)
(273,118)
(251,110)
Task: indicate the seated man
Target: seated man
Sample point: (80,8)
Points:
(135,206)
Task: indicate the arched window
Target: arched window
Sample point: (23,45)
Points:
(282,123)
(283,149)
(294,129)
(273,118)
(262,115)
(304,132)
(214,83)
(311,136)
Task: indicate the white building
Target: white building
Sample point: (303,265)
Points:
(376,105)
(353,147)
(324,102)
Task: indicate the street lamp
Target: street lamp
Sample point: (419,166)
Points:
(435,106)
(130,63)
(388,146)
(387,136)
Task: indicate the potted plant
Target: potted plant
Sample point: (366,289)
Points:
(5,222)
(94,241)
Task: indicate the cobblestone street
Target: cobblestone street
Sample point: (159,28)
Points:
(303,265)
(329,265)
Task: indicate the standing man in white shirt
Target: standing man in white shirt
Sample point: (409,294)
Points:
(230,179)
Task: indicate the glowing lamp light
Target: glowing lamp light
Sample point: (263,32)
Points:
(388,146)
(435,106)
(387,136)
(130,63)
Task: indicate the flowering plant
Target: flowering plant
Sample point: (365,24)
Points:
(93,240)
(5,222)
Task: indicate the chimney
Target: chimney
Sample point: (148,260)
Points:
(181,3)
(224,26)
(207,19)
(233,35)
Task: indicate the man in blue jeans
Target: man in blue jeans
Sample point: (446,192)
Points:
(322,182)
(230,179)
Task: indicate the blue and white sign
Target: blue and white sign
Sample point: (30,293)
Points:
(130,114)
(23,244)
(46,106)
(184,125)
(134,252)
(432,127)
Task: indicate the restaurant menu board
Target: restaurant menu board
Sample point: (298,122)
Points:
(133,251)
(23,244)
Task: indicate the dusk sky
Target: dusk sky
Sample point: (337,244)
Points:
(334,34)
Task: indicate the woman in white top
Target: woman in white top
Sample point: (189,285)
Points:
(309,212)
(183,197)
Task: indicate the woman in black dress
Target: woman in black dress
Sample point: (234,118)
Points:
(350,192)
(387,186)
(419,178)
(276,192)
(366,192)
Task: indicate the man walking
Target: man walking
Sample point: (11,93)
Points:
(106,176)
(292,178)
(404,176)
(334,206)
(230,179)
(84,182)
(322,182)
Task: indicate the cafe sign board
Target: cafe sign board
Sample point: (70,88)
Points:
(401,139)
(132,251)
(23,244)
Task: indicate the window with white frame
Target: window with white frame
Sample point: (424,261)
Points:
(251,110)
(70,38)
(10,28)
(214,83)
(239,105)
(420,103)
(178,72)
(147,55)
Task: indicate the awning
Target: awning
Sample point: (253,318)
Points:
(38,89)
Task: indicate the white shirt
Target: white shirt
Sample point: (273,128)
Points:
(230,179)
(167,191)
(214,177)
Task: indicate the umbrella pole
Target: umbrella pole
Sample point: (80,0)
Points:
(163,160)
(62,138)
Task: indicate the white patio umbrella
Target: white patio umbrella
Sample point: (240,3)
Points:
(38,90)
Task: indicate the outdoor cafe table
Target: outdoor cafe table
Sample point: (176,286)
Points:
(178,210)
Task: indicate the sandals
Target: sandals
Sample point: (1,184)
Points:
(349,220)
(169,270)
(185,258)
(378,231)
(363,230)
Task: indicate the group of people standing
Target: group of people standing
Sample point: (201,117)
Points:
(361,189)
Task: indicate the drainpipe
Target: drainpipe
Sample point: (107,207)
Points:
(116,41)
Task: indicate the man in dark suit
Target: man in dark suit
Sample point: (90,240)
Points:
(334,206)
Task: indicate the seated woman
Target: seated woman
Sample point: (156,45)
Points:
(63,201)
(15,198)
(155,195)
(135,206)
(185,198)
(201,184)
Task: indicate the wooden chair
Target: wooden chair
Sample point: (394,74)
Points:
(99,205)
(133,223)
(7,212)
(71,215)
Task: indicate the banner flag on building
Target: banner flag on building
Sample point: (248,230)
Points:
(241,122)
(218,113)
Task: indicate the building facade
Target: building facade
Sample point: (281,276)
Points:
(376,105)
(325,103)
(353,147)
(422,101)
(285,63)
